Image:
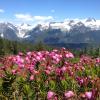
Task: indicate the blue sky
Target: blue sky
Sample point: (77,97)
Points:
(32,11)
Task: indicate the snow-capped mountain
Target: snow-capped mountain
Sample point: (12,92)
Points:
(68,24)
(8,31)
(23,29)
(70,30)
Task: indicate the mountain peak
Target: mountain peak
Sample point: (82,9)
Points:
(90,20)
(25,26)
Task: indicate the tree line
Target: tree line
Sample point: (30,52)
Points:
(13,47)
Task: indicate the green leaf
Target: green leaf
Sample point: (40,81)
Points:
(52,85)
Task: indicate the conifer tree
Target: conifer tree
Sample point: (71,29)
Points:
(2,51)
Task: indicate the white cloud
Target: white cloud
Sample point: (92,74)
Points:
(43,18)
(52,10)
(2,11)
(26,17)
(35,19)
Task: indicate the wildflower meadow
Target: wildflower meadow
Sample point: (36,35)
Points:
(49,75)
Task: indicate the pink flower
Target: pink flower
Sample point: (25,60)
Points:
(69,94)
(50,95)
(28,53)
(63,69)
(31,69)
(27,60)
(20,53)
(21,65)
(58,71)
(36,72)
(55,50)
(31,77)
(47,72)
(49,67)
(69,55)
(14,71)
(88,95)
(3,68)
(98,60)
(81,81)
(38,58)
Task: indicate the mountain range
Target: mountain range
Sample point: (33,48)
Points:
(68,31)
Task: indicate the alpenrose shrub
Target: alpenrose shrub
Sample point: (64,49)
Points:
(49,75)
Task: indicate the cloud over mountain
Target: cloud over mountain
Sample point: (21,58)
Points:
(43,18)
(26,17)
(35,19)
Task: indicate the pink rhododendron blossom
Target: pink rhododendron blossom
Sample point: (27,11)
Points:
(88,95)
(28,53)
(69,55)
(31,77)
(63,69)
(47,72)
(14,71)
(50,95)
(69,94)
